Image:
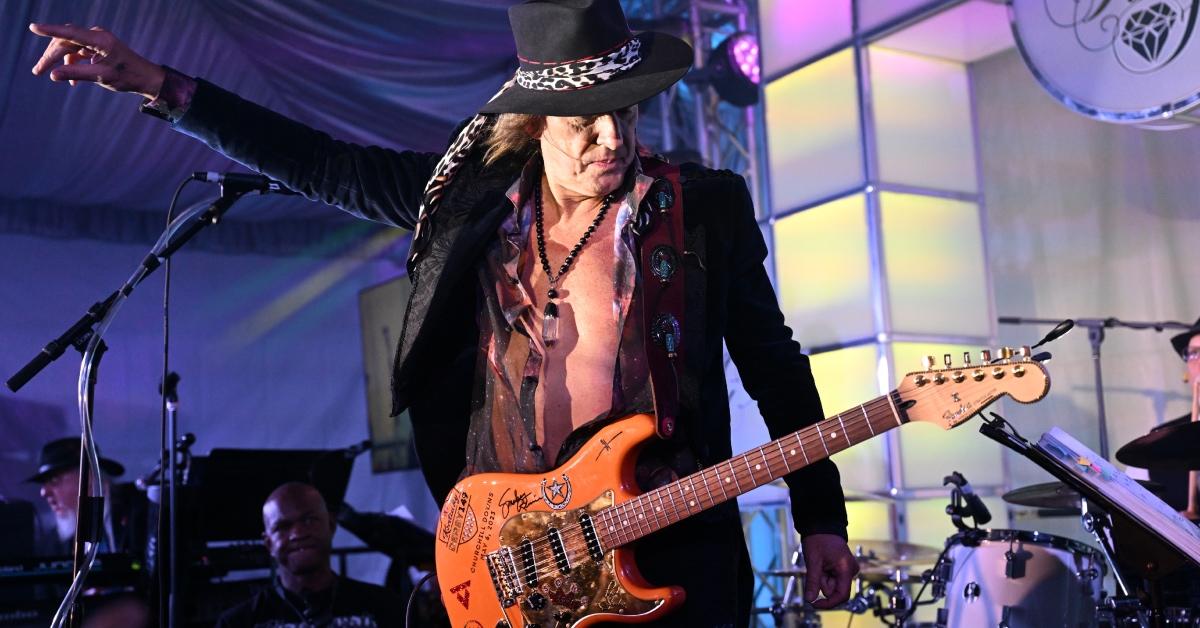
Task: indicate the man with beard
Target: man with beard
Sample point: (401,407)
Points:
(298,532)
(58,474)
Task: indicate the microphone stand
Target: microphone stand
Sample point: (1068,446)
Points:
(90,513)
(1096,327)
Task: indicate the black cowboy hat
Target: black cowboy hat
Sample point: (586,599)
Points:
(1180,341)
(61,454)
(579,58)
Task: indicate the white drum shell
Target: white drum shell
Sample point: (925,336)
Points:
(1050,581)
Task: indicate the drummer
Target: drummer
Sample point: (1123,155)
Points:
(1181,489)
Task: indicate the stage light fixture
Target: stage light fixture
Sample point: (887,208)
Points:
(734,69)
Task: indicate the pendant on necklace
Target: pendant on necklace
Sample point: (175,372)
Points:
(550,325)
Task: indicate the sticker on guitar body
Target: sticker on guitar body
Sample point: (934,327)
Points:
(557,494)
(463,593)
(458,523)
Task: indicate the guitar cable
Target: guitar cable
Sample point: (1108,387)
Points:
(412,596)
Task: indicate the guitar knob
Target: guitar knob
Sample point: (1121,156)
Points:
(536,601)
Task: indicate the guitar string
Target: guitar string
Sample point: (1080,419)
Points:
(574,531)
(808,435)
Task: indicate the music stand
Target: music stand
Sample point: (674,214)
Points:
(232,484)
(1139,534)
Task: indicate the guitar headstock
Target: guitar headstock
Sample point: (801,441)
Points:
(950,395)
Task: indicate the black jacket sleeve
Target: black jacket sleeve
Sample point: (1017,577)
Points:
(774,372)
(370,182)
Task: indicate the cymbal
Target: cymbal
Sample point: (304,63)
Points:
(892,553)
(1058,496)
(874,575)
(1170,447)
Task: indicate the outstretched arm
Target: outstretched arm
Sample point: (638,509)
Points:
(368,181)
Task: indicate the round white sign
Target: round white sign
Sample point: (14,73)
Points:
(1128,61)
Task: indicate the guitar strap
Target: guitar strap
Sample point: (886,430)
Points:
(659,227)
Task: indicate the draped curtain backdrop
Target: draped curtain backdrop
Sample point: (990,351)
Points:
(397,74)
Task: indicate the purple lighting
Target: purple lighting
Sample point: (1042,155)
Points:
(735,69)
(745,56)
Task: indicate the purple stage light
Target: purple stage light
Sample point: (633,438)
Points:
(735,69)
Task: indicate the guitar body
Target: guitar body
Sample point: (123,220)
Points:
(532,522)
(551,550)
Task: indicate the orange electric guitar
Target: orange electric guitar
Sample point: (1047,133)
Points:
(548,550)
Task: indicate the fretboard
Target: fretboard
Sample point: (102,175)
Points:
(704,489)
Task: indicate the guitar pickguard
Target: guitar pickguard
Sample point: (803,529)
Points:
(588,587)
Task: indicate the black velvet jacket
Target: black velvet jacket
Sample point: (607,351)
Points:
(728,293)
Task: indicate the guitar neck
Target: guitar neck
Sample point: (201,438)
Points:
(661,507)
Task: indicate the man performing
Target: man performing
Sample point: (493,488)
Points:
(1180,489)
(298,532)
(542,303)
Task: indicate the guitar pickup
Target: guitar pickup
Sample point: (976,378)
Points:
(529,562)
(560,551)
(589,536)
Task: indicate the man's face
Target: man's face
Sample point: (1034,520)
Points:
(61,492)
(1193,364)
(588,156)
(298,530)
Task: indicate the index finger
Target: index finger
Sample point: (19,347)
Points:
(71,33)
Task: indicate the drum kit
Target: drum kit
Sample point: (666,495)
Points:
(1015,578)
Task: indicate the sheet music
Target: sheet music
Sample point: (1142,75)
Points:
(1124,491)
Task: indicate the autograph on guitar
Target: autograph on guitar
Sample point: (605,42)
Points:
(549,550)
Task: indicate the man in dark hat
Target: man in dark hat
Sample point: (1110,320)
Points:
(1180,488)
(561,278)
(58,474)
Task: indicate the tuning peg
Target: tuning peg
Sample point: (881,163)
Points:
(966,358)
(927,363)
(947,361)
(1006,353)
(1025,352)
(985,356)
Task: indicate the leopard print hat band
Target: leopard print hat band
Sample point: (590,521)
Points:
(582,72)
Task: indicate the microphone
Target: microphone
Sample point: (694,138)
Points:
(1056,333)
(976,509)
(243,182)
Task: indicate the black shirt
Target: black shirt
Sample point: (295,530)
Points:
(347,603)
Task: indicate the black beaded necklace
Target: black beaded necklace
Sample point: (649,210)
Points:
(550,319)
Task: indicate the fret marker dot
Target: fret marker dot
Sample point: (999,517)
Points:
(692,503)
(757,467)
(833,435)
(641,516)
(611,528)
(658,508)
(727,480)
(792,452)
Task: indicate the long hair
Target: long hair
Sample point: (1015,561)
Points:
(512,134)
